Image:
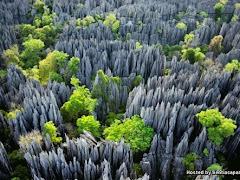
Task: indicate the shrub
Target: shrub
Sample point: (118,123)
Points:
(128,36)
(167,72)
(233,66)
(204,48)
(55,77)
(181,25)
(88,123)
(11,55)
(139,23)
(137,80)
(49,128)
(13,114)
(189,161)
(234,18)
(80,103)
(112,22)
(3,73)
(33,52)
(39,6)
(112,117)
(32,73)
(205,152)
(99,17)
(218,127)
(73,65)
(54,62)
(26,29)
(171,51)
(214,167)
(138,46)
(134,132)
(193,55)
(188,39)
(216,44)
(137,168)
(45,34)
(203,14)
(159,31)
(237,5)
(80,5)
(218,9)
(85,22)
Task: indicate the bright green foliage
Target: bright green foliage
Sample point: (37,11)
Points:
(218,127)
(39,6)
(198,25)
(80,5)
(139,23)
(26,29)
(54,62)
(33,52)
(203,14)
(159,31)
(218,9)
(205,152)
(32,73)
(233,66)
(216,44)
(193,55)
(19,165)
(85,22)
(167,72)
(73,65)
(75,81)
(88,123)
(237,5)
(234,18)
(2,73)
(137,80)
(49,128)
(189,161)
(188,39)
(181,25)
(11,55)
(134,132)
(13,114)
(80,103)
(112,22)
(99,17)
(128,36)
(55,77)
(112,117)
(47,18)
(171,51)
(223,1)
(138,169)
(214,167)
(138,46)
(45,34)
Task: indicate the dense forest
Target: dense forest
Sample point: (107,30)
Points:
(119,89)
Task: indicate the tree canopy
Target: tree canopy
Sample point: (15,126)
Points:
(49,128)
(88,123)
(133,131)
(218,127)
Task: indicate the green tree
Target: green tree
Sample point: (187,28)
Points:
(203,14)
(188,39)
(137,80)
(49,128)
(33,52)
(233,66)
(138,46)
(171,51)
(216,44)
(181,25)
(218,127)
(189,161)
(11,55)
(39,6)
(54,62)
(80,103)
(88,123)
(139,23)
(73,65)
(26,30)
(112,117)
(85,22)
(134,132)
(193,55)
(55,77)
(45,34)
(112,22)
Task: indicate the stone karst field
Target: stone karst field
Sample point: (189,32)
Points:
(119,89)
